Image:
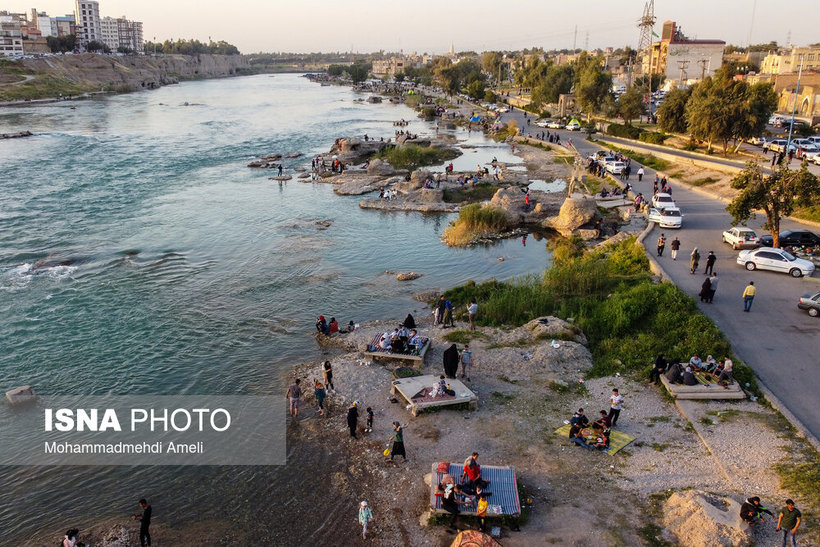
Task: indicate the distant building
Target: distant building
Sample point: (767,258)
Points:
(11,33)
(42,22)
(130,34)
(87,18)
(388,68)
(680,58)
(66,25)
(110,32)
(783,62)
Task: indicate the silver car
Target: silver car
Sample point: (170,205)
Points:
(777,260)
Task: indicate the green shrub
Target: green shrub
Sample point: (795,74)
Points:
(691,146)
(653,137)
(410,156)
(624,131)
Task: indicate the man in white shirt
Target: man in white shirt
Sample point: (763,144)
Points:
(615,404)
(472,309)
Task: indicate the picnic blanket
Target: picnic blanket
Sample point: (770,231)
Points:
(424,396)
(705,378)
(617,439)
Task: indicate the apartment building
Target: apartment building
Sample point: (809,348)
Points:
(785,61)
(88,25)
(110,32)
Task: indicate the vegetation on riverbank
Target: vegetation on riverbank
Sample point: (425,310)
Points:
(475,222)
(627,317)
(43,87)
(411,156)
(470,193)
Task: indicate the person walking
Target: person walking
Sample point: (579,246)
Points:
(713,283)
(327,376)
(319,392)
(145,522)
(661,244)
(616,403)
(448,315)
(675,245)
(710,262)
(365,517)
(694,259)
(397,440)
(789,521)
(293,396)
(472,309)
(640,173)
(466,359)
(749,296)
(353,418)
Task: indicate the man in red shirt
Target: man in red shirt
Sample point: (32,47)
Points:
(471,477)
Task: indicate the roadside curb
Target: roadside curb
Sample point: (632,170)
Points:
(775,402)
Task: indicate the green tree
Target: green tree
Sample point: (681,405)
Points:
(358,73)
(95,45)
(777,194)
(672,111)
(493,63)
(631,105)
(556,80)
(399,77)
(759,104)
(592,84)
(713,109)
(335,70)
(62,43)
(476,90)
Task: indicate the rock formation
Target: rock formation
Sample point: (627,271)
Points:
(576,212)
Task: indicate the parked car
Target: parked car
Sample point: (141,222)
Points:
(739,237)
(757,141)
(776,120)
(813,157)
(615,167)
(793,237)
(775,145)
(542,123)
(554,124)
(662,201)
(573,126)
(666,218)
(805,145)
(776,260)
(811,303)
(599,155)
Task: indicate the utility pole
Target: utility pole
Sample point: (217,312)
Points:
(575,39)
(702,63)
(682,66)
(646,23)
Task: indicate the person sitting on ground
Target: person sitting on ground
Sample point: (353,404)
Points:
(602,440)
(321,325)
(415,341)
(70,539)
(333,326)
(450,501)
(409,322)
(718,369)
(579,439)
(695,362)
(404,334)
(726,376)
(689,377)
(658,368)
(579,418)
(604,422)
(710,364)
(384,341)
(394,335)
(751,510)
(351,326)
(674,373)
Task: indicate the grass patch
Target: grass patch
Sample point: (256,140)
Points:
(660,447)
(647,160)
(659,419)
(652,535)
(470,193)
(501,397)
(462,336)
(811,213)
(706,420)
(676,175)
(411,156)
(475,222)
(44,87)
(702,182)
(505,378)
(509,130)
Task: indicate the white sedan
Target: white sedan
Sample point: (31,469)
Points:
(554,125)
(740,236)
(778,260)
(666,218)
(662,200)
(813,157)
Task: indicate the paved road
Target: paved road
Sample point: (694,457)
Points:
(780,342)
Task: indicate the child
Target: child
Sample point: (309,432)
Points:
(365,516)
(369,427)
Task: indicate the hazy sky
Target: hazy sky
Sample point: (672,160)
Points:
(432,25)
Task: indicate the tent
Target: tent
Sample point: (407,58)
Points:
(575,121)
(475,119)
(474,538)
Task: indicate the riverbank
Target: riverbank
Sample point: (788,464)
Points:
(67,76)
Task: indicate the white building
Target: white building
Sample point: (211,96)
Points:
(110,32)
(87,17)
(11,38)
(130,34)
(680,58)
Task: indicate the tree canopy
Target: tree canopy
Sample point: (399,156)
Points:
(592,84)
(631,105)
(191,47)
(63,44)
(777,194)
(672,111)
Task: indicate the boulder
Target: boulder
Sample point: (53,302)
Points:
(555,328)
(430,195)
(380,167)
(509,199)
(407,276)
(353,150)
(575,212)
(699,519)
(19,395)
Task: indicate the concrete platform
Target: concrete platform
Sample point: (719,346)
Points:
(386,354)
(411,388)
(700,391)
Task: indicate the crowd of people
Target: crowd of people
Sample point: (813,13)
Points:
(471,490)
(677,372)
